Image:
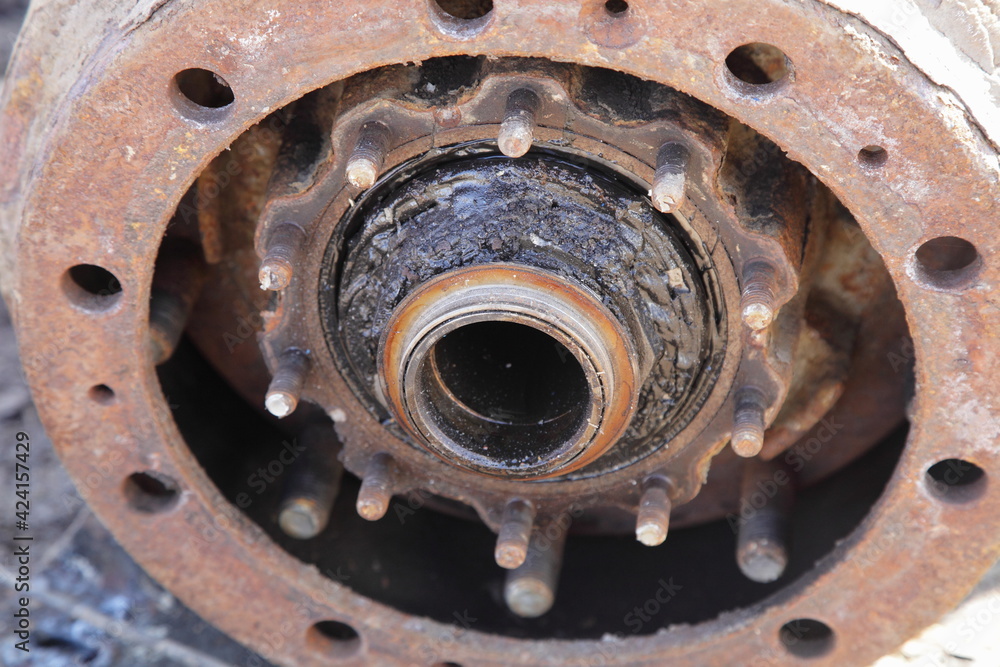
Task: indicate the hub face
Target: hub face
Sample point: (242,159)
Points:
(404,221)
(609,282)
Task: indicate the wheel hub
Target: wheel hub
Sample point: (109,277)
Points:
(536,244)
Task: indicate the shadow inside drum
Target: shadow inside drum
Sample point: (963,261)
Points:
(428,563)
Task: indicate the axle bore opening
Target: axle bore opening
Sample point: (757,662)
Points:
(506,390)
(512,380)
(508,370)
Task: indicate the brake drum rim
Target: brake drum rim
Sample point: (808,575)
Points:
(64,420)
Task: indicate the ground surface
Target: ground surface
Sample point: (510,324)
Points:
(90,603)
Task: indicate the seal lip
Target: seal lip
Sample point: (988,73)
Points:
(499,292)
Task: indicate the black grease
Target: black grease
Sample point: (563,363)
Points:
(551,213)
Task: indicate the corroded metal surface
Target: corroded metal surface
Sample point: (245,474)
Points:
(440,206)
(118,151)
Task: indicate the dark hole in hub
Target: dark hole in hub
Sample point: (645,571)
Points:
(510,373)
(335,639)
(506,391)
(91,287)
(955,480)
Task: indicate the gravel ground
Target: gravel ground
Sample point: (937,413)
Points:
(90,603)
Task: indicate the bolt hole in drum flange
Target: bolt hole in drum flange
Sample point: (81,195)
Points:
(204,88)
(807,638)
(151,492)
(616,6)
(461,19)
(956,480)
(202,96)
(102,394)
(759,67)
(948,263)
(465,10)
(92,287)
(334,639)
(873,156)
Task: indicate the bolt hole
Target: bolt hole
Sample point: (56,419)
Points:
(758,64)
(102,394)
(873,156)
(151,492)
(615,7)
(948,262)
(955,480)
(91,287)
(807,638)
(204,88)
(613,24)
(333,638)
(946,253)
(465,10)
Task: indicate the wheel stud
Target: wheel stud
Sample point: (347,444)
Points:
(177,282)
(761,550)
(312,485)
(376,488)
(515,533)
(518,127)
(654,512)
(365,163)
(748,422)
(670,177)
(168,316)
(282,247)
(286,385)
(757,301)
(530,590)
